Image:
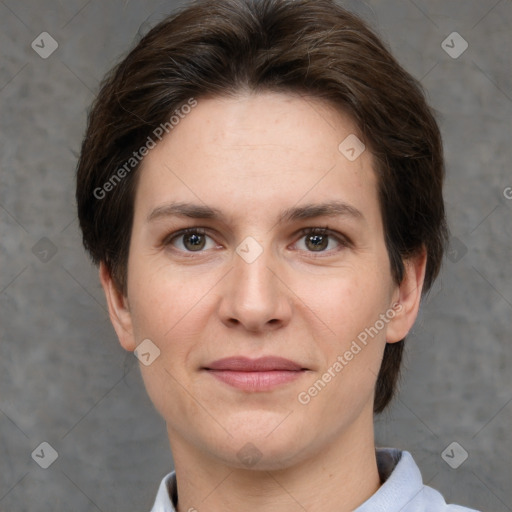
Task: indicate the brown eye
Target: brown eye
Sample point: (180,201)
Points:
(190,240)
(321,240)
(194,241)
(317,242)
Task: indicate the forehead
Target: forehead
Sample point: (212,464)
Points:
(265,150)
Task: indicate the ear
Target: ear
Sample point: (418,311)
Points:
(118,309)
(407,297)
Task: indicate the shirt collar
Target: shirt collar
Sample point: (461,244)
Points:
(402,488)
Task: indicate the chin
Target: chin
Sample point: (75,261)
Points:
(258,447)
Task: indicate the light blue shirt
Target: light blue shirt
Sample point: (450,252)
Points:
(402,490)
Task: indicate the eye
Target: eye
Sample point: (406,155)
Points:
(190,240)
(319,239)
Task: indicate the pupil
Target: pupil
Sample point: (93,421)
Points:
(194,242)
(318,241)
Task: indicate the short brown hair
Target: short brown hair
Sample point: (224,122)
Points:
(314,47)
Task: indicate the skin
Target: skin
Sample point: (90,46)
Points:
(251,157)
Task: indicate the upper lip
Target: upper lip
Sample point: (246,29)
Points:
(262,364)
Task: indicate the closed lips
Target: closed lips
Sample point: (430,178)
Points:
(262,364)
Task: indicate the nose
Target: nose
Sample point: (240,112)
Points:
(254,296)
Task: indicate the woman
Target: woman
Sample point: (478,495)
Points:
(261,186)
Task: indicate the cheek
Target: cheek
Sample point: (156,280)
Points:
(349,303)
(162,298)
(352,352)
(170,312)
(353,348)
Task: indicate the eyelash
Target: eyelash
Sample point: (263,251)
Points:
(342,240)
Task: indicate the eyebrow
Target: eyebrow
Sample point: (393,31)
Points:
(308,211)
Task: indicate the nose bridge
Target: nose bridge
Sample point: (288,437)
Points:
(254,281)
(253,295)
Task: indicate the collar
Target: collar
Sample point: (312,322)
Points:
(402,488)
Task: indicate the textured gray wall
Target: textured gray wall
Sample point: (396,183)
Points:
(65,380)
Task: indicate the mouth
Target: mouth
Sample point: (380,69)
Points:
(253,375)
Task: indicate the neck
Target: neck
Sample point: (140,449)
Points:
(339,478)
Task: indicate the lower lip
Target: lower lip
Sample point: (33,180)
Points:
(256,381)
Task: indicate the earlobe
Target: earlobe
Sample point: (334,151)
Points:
(118,309)
(408,297)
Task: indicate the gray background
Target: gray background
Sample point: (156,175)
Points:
(65,380)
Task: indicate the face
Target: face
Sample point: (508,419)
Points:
(283,256)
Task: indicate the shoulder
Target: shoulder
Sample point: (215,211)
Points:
(434,502)
(403,489)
